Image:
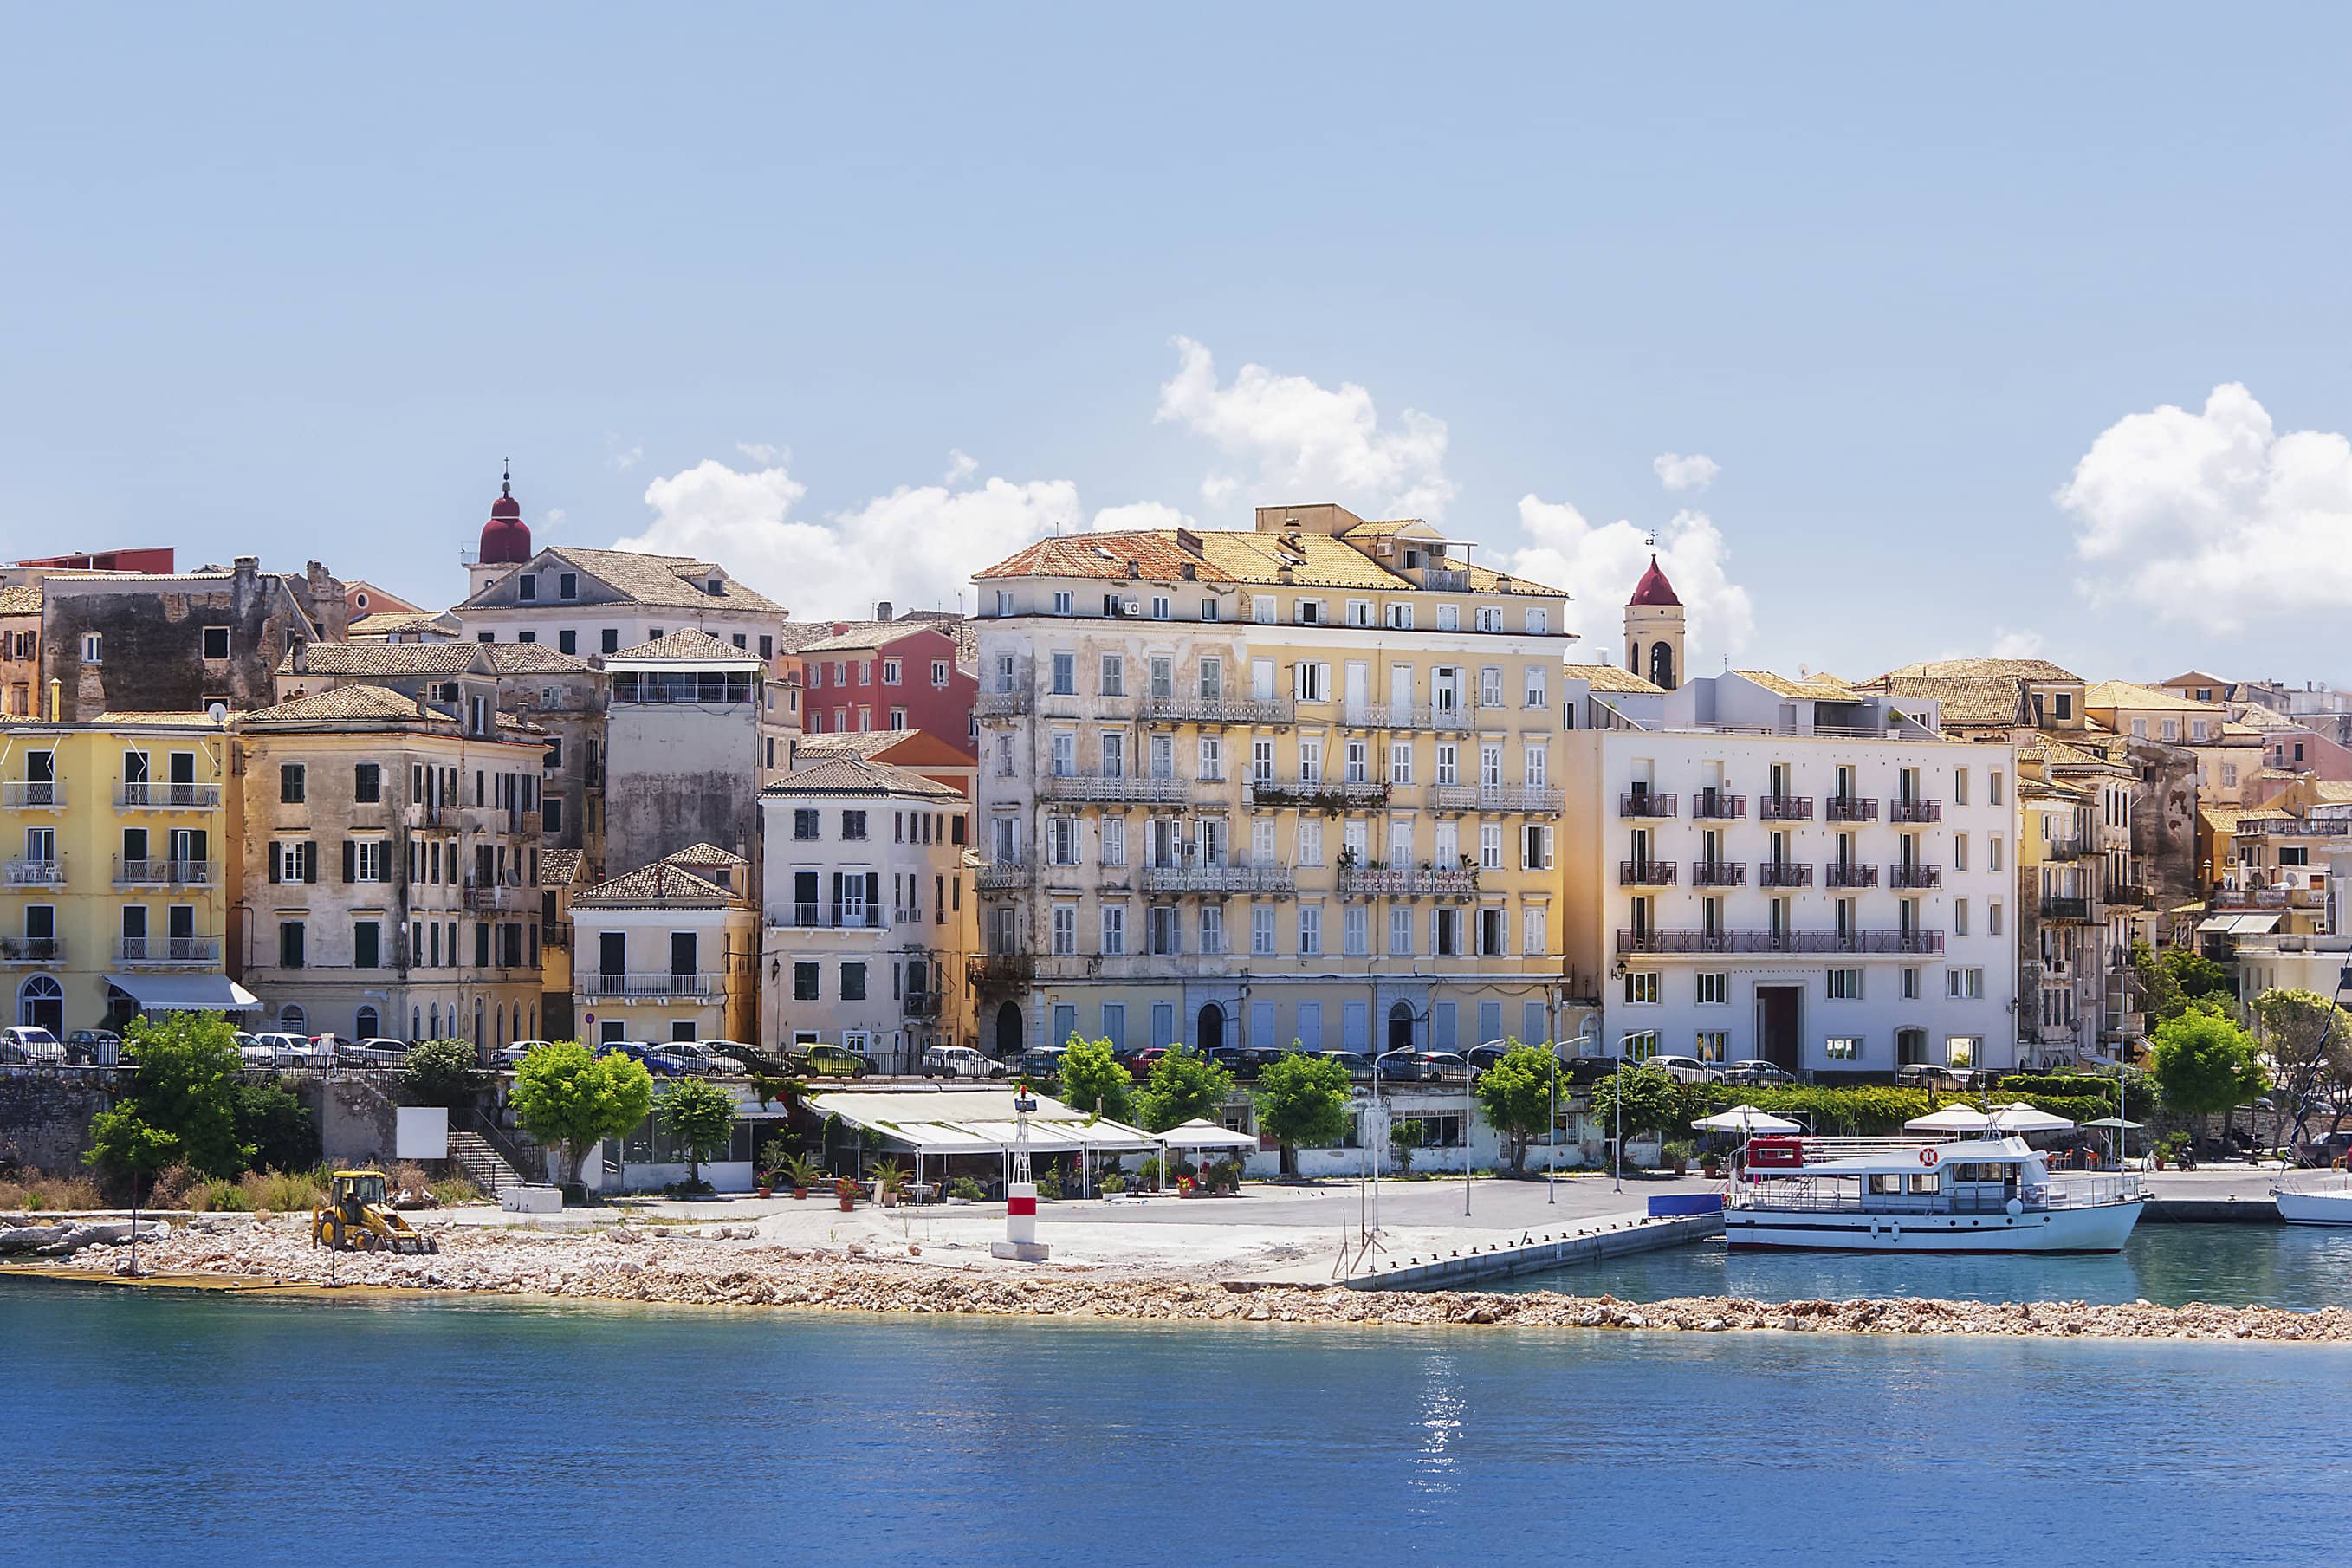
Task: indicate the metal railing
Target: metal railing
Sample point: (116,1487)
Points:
(29,793)
(1849,874)
(167,795)
(1215,710)
(836,917)
(2065,909)
(1001,704)
(509,897)
(1000,972)
(1784,874)
(1903,809)
(1445,579)
(32,950)
(1646,873)
(164,873)
(2300,827)
(1645,803)
(1407,716)
(919,1005)
(1240,877)
(1849,808)
(1711,806)
(2129,896)
(1532,800)
(1911,874)
(1693,941)
(1005,876)
(1408,882)
(1116,789)
(2065,849)
(1322,792)
(1785,808)
(168,949)
(593,985)
(49,873)
(1719,874)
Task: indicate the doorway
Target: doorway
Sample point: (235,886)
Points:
(1213,1027)
(1777,1024)
(1008,1031)
(42,1005)
(1400,1026)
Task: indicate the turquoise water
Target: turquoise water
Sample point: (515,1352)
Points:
(160,1430)
(2234,1265)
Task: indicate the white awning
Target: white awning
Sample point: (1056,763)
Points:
(1202,1133)
(975,1121)
(2254,925)
(2215,923)
(185,993)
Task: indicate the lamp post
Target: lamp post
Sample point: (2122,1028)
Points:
(1379,1120)
(1551,1132)
(1617,1140)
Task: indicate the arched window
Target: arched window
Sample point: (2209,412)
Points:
(1400,1026)
(477,1026)
(416,1022)
(1213,1027)
(292,1020)
(432,1018)
(1008,1031)
(367,1024)
(1662,665)
(41,1005)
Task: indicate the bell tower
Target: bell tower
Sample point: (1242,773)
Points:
(1654,629)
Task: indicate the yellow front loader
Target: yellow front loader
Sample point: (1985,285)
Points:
(358,1217)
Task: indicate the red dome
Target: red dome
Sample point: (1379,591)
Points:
(1652,589)
(506,538)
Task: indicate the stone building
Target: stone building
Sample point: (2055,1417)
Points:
(692,732)
(185,643)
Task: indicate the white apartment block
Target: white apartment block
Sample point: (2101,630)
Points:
(1293,785)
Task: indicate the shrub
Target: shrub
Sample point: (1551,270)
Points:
(1114,1182)
(277,1125)
(440,1072)
(1147,1173)
(452,1190)
(966,1188)
(1049,1183)
(35,1189)
(282,1192)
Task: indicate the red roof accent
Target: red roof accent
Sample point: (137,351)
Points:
(1652,589)
(506,538)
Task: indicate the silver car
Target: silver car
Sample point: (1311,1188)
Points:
(28,1046)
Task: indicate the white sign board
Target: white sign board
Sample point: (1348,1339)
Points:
(423,1132)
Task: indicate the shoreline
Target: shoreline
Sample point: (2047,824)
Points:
(622,1267)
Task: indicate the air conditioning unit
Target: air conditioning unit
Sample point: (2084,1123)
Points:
(1130,607)
(1385,547)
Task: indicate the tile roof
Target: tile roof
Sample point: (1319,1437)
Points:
(1970,702)
(2196,678)
(126,717)
(691,644)
(1608,677)
(865,635)
(1812,688)
(1305,560)
(559,868)
(384,623)
(22,600)
(670,580)
(2124,694)
(848,743)
(857,775)
(2040,670)
(360,702)
(516,723)
(374,658)
(704,855)
(1156,557)
(532,658)
(660,883)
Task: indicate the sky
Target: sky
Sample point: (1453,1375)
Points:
(1912,334)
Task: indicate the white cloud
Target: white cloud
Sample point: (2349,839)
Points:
(1307,442)
(2213,517)
(1141,515)
(1599,565)
(2009,643)
(622,462)
(549,519)
(1677,472)
(763,453)
(916,546)
(961,465)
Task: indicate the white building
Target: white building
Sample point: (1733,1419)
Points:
(869,922)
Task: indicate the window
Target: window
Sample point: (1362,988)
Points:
(1004,601)
(1959,851)
(367,944)
(1212,759)
(526,586)
(804,819)
(853,826)
(1641,988)
(215,642)
(1310,930)
(367,783)
(1360,612)
(1261,930)
(853,982)
(368,859)
(1114,674)
(1961,1050)
(567,641)
(1208,609)
(1400,934)
(1490,687)
(1162,931)
(1158,607)
(1490,846)
(1448,767)
(1994,919)
(1489,618)
(292,783)
(1114,841)
(1964,984)
(1065,674)
(1959,917)
(1993,855)
(1538,622)
(1535,932)
(1313,681)
(1959,786)
(1401,618)
(609,640)
(898,718)
(1356,931)
(941,669)
(1064,602)
(93,648)
(1066,931)
(1712,1044)
(567,584)
(1640,1045)
(1262,609)
(804,981)
(1714,989)
(1845,985)
(1113,929)
(1842,1048)
(1538,687)
(1911,984)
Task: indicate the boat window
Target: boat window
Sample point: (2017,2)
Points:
(1984,1171)
(1889,1184)
(1927,1184)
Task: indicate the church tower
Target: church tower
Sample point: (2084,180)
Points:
(1654,629)
(505,543)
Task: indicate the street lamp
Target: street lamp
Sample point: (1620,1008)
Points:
(1380,1105)
(1617,1110)
(1551,1132)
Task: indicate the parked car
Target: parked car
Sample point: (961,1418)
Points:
(645,1054)
(835,1061)
(1583,1072)
(93,1048)
(1478,1059)
(2326,1150)
(1139,1065)
(691,1059)
(1442,1066)
(1686,1070)
(1928,1075)
(746,1058)
(370,1052)
(509,1058)
(1767,1074)
(1401,1069)
(292,1050)
(28,1046)
(958,1061)
(253,1053)
(1358,1064)
(1040,1062)
(1244,1062)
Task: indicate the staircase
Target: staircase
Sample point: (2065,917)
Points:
(482,1164)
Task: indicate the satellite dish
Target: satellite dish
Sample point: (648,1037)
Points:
(218,712)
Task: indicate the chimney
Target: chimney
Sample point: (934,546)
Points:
(56,698)
(882,610)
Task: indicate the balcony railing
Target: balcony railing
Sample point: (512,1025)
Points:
(1646,873)
(1118,790)
(2065,909)
(1454,716)
(1214,709)
(161,795)
(1323,794)
(26,792)
(919,1005)
(508,897)
(2300,827)
(168,949)
(1531,800)
(1445,579)
(595,985)
(2065,849)
(1719,874)
(1840,942)
(1914,875)
(49,873)
(1005,876)
(1784,874)
(32,950)
(1710,806)
(164,873)
(1900,809)
(1241,877)
(1849,874)
(2129,896)
(989,705)
(999,973)
(1645,803)
(1784,808)
(1849,808)
(836,917)
(1408,882)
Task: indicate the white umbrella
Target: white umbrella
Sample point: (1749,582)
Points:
(2020,1117)
(1951,1119)
(1745,1119)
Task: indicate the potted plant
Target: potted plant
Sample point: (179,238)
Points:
(889,1182)
(846,1190)
(1678,1154)
(1112,1181)
(1710,1164)
(964,1190)
(2171,1148)
(800,1174)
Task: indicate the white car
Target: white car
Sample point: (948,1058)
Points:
(292,1050)
(1685,1070)
(692,1057)
(958,1061)
(254,1054)
(370,1052)
(31,1046)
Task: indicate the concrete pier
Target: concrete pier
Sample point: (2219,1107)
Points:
(1612,1235)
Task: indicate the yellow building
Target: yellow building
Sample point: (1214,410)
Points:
(118,836)
(669,952)
(1295,783)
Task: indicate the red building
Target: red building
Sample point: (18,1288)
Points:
(157,560)
(909,674)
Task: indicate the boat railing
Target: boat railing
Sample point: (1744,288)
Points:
(2086,1192)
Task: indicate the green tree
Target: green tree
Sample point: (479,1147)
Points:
(1095,1080)
(565,1097)
(1515,1094)
(2202,1062)
(182,1097)
(1302,1099)
(699,1116)
(2309,1038)
(1407,1133)
(1653,1102)
(1184,1085)
(440,1072)
(277,1125)
(2160,985)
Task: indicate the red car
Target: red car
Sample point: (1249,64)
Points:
(1139,1065)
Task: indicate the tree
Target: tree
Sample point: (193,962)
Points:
(1302,1099)
(565,1097)
(2203,1062)
(182,1097)
(440,1072)
(1515,1094)
(1406,1134)
(2301,1031)
(277,1125)
(1095,1080)
(699,1116)
(1183,1086)
(1653,1102)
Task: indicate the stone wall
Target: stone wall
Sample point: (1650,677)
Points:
(356,1121)
(45,1120)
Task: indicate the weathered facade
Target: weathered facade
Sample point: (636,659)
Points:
(687,732)
(184,643)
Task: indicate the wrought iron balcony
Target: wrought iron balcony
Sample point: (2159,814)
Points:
(1319,793)
(1849,874)
(159,794)
(2129,896)
(1645,803)
(506,898)
(22,794)
(1685,941)
(919,1005)
(1713,806)
(1003,877)
(1002,971)
(1784,874)
(164,873)
(2066,909)
(48,873)
(594,985)
(1531,800)
(1001,705)
(168,949)
(1452,717)
(1116,789)
(32,950)
(834,917)
(1218,710)
(1849,808)
(1240,877)
(2066,850)
(1408,882)
(1914,811)
(1719,874)
(1784,808)
(1646,873)
(1911,874)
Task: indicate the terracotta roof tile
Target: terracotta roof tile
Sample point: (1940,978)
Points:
(661,884)
(22,600)
(372,657)
(559,868)
(1608,677)
(2126,695)
(2040,670)
(703,854)
(1809,690)
(532,658)
(357,702)
(692,645)
(841,774)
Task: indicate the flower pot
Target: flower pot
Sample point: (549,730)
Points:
(767,1192)
(800,1191)
(848,1204)
(1682,1167)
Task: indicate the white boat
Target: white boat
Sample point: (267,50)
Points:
(2328,1207)
(1973,1195)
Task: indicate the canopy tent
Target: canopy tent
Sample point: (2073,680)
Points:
(1745,1119)
(2238,925)
(1951,1119)
(2110,1123)
(185,993)
(926,1119)
(2020,1117)
(1202,1133)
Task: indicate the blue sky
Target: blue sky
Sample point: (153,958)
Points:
(293,283)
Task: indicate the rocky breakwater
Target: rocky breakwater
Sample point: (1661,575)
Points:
(67,1237)
(730,1265)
